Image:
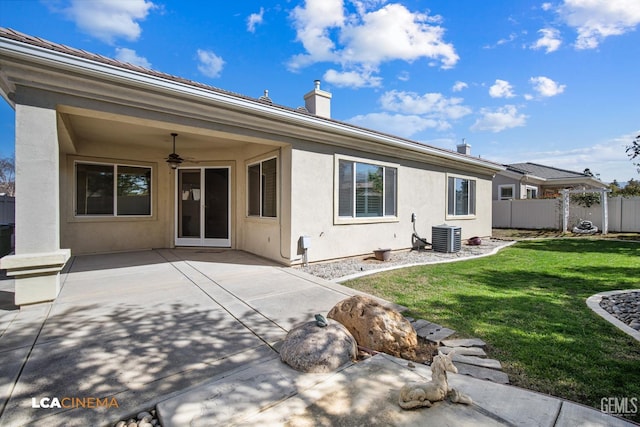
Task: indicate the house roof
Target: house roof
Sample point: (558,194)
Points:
(254,105)
(542,171)
(552,175)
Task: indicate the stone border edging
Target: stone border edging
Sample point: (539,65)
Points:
(417,264)
(593,302)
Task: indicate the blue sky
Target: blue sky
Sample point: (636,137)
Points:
(548,82)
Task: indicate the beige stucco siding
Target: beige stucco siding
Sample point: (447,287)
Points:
(95,234)
(421,190)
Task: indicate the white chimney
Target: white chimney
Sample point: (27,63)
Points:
(464,148)
(318,101)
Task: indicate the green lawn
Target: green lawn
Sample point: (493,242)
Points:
(528,303)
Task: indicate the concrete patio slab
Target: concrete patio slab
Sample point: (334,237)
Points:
(149,326)
(572,414)
(365,394)
(514,405)
(234,396)
(23,326)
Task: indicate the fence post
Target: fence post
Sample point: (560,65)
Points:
(605,211)
(565,210)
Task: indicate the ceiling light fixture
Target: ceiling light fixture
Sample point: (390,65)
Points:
(173,159)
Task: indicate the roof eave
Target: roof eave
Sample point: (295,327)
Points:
(91,68)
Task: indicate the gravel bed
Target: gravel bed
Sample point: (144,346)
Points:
(339,269)
(624,307)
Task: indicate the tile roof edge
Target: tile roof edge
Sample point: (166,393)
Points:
(18,36)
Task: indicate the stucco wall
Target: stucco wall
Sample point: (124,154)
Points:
(421,190)
(111,234)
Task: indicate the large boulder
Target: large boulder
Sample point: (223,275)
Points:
(310,348)
(376,326)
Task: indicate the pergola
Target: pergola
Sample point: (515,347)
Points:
(604,203)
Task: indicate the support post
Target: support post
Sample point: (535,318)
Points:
(38,259)
(565,210)
(605,211)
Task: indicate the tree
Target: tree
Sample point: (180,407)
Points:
(633,151)
(615,188)
(8,176)
(631,189)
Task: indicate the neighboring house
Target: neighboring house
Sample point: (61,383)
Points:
(93,136)
(534,181)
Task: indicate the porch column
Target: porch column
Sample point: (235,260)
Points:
(38,258)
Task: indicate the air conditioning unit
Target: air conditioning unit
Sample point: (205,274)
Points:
(446,238)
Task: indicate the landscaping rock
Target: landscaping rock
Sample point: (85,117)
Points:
(482,373)
(464,342)
(625,307)
(309,348)
(465,351)
(375,326)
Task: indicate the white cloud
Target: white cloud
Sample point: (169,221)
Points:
(131,57)
(367,37)
(354,79)
(255,19)
(210,64)
(512,37)
(434,105)
(500,119)
(547,6)
(407,113)
(109,20)
(501,89)
(550,40)
(596,20)
(546,87)
(394,32)
(397,124)
(312,24)
(404,76)
(459,86)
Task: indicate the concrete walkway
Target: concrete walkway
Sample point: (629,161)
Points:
(196,332)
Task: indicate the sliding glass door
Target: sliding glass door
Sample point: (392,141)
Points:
(203,207)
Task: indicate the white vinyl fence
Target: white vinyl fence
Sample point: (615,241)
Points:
(624,214)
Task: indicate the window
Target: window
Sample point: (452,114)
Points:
(262,188)
(507,192)
(532,192)
(366,190)
(96,185)
(461,196)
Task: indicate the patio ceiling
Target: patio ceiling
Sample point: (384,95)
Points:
(85,130)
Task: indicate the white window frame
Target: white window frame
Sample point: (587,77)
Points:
(248,198)
(513,191)
(474,199)
(531,188)
(114,215)
(338,219)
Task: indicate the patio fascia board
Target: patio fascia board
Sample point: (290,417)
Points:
(576,181)
(304,126)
